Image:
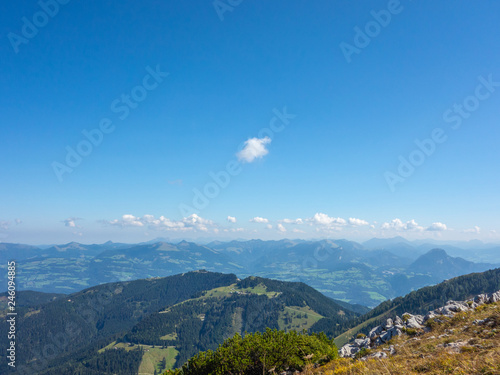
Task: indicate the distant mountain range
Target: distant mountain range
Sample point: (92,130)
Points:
(364,274)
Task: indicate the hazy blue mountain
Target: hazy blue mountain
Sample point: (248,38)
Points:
(341,269)
(13,251)
(440,266)
(380,243)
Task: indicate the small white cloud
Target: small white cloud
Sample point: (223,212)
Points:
(199,223)
(357,222)
(475,230)
(295,230)
(325,220)
(128,221)
(254,148)
(259,220)
(292,221)
(398,225)
(4,225)
(18,221)
(71,222)
(437,227)
(281,228)
(269,226)
(231,219)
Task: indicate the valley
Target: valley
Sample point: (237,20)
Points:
(364,274)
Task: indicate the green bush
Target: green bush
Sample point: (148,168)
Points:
(258,353)
(431,323)
(410,331)
(363,352)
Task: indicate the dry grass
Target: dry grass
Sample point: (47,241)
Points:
(433,352)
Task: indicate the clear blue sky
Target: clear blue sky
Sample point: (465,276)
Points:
(355,113)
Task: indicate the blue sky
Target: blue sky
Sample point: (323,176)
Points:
(182,88)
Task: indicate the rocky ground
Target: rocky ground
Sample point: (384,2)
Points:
(462,337)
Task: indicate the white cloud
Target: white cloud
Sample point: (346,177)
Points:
(475,230)
(254,148)
(295,230)
(398,225)
(325,220)
(292,221)
(199,223)
(281,228)
(231,219)
(5,224)
(437,227)
(357,222)
(71,222)
(127,221)
(192,222)
(259,220)
(269,226)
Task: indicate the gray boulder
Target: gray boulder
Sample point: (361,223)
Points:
(362,343)
(388,323)
(412,322)
(349,350)
(389,334)
(495,297)
(375,332)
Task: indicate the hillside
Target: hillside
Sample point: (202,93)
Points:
(175,317)
(463,342)
(461,337)
(250,305)
(418,302)
(84,319)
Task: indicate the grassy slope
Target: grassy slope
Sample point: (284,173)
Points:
(151,358)
(298,324)
(227,291)
(432,352)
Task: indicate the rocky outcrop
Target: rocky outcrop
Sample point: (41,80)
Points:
(410,323)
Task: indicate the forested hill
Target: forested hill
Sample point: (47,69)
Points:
(172,318)
(418,302)
(80,319)
(250,305)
